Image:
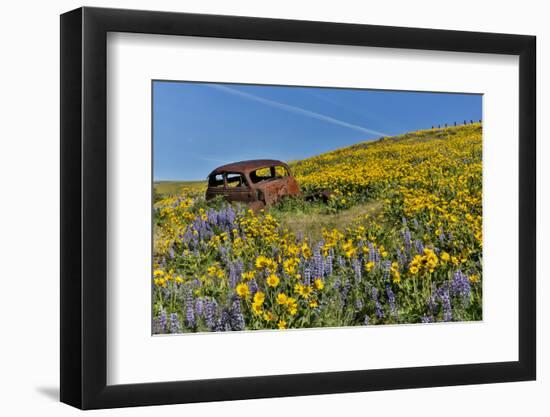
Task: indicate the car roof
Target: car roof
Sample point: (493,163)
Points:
(247,166)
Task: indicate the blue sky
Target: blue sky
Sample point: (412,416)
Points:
(199,126)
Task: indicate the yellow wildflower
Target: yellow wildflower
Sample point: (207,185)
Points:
(281,298)
(273,280)
(319,284)
(242,290)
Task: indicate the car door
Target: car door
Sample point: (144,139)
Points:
(237,188)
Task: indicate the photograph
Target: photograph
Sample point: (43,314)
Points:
(287,207)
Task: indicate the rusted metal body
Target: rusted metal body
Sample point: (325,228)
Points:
(259,183)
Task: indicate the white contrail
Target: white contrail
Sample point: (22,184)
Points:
(204,158)
(295,109)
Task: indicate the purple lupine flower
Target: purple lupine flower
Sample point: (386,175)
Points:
(199,307)
(171,252)
(401,258)
(391,300)
(374,296)
(460,286)
(356,263)
(239,268)
(419,246)
(404,221)
(345,290)
(328,265)
(189,310)
(341,261)
(224,254)
(233,278)
(163,320)
(432,301)
(386,265)
(174,323)
(372,253)
(237,319)
(230,215)
(358,305)
(307,276)
(224,323)
(210,311)
(318,266)
(366,320)
(427,319)
(407,241)
(445,299)
(253,287)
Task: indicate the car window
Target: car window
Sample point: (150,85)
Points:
(235,180)
(215,180)
(262,174)
(281,171)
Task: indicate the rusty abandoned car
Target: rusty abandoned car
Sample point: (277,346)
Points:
(259,183)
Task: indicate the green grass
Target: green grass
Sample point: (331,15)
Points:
(311,218)
(175,187)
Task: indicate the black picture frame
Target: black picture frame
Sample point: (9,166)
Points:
(84,207)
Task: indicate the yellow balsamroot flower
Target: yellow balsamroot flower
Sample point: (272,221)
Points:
(281,299)
(306,251)
(160,282)
(424,263)
(293,250)
(290,265)
(273,280)
(247,276)
(445,257)
(179,280)
(259,297)
(474,278)
(215,271)
(292,306)
(396,275)
(430,259)
(242,290)
(263,262)
(313,304)
(257,309)
(369,266)
(319,284)
(349,250)
(303,290)
(281,324)
(268,316)
(158,273)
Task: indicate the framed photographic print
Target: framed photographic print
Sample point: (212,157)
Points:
(291,208)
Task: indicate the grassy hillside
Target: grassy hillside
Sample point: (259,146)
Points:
(399,241)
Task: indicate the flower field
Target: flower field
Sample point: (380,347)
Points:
(404,243)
